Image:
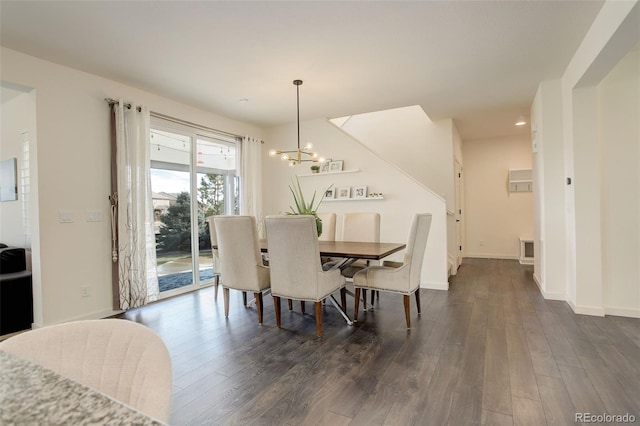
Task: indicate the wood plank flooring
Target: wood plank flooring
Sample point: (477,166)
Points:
(489,351)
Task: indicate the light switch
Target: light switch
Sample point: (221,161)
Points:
(66,217)
(94,216)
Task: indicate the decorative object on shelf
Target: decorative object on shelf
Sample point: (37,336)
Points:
(300,155)
(325,167)
(315,168)
(344,193)
(360,192)
(336,166)
(330,193)
(301,206)
(374,195)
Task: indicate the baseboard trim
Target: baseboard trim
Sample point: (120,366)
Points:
(92,316)
(492,256)
(548,295)
(585,310)
(622,312)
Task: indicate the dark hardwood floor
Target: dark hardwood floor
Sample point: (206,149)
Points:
(489,351)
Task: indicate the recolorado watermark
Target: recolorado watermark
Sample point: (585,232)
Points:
(604,418)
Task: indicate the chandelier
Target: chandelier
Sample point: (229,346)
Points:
(300,155)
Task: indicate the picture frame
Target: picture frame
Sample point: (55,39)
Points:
(324,167)
(330,193)
(344,193)
(360,192)
(336,166)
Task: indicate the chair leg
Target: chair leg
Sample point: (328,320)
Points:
(302,306)
(259,305)
(216,283)
(343,298)
(407,300)
(276,305)
(225,293)
(373,297)
(364,299)
(244,298)
(356,303)
(318,306)
(290,304)
(418,301)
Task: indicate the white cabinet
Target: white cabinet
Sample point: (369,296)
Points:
(520,180)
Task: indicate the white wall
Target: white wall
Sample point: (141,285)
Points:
(424,149)
(549,191)
(403,196)
(619,106)
(73,134)
(407,138)
(495,218)
(597,278)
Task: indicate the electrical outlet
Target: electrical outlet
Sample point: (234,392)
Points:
(481,243)
(84,291)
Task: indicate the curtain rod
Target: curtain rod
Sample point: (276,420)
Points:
(179,121)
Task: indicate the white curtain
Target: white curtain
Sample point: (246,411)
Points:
(251,180)
(137,278)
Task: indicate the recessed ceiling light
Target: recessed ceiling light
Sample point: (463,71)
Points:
(520,123)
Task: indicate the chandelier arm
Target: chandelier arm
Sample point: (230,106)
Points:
(298,158)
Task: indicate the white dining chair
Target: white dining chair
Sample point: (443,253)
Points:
(122,359)
(328,226)
(296,270)
(405,279)
(214,254)
(363,227)
(240,258)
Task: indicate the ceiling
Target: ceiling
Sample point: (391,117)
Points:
(478,62)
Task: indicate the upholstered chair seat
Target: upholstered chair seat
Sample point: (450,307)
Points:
(404,279)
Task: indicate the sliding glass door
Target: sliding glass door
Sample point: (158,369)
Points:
(184,162)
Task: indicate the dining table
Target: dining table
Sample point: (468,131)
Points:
(31,394)
(348,252)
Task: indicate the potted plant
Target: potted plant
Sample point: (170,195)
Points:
(301,206)
(315,168)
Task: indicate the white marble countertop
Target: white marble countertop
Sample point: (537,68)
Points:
(33,395)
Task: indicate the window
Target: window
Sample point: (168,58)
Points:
(187,161)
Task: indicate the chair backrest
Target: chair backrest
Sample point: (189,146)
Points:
(294,255)
(416,246)
(212,236)
(361,227)
(239,252)
(328,226)
(122,359)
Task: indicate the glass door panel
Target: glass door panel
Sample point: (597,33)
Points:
(171,192)
(216,186)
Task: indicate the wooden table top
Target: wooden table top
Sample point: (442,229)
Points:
(353,249)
